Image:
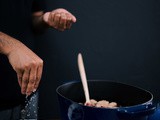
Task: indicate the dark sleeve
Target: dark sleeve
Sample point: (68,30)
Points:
(38,5)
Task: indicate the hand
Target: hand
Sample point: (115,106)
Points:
(59,19)
(28,67)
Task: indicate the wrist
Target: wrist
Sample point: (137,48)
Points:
(7,44)
(44,20)
(45,17)
(39,23)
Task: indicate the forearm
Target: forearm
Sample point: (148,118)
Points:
(7,43)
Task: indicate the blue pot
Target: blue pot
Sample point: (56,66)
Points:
(135,103)
(156,115)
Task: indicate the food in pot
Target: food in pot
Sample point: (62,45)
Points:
(101,103)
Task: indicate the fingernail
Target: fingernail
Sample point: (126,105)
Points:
(23,92)
(34,90)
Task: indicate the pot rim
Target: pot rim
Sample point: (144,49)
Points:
(149,102)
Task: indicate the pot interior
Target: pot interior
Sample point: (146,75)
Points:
(125,95)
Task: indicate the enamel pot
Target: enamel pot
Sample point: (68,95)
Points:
(134,103)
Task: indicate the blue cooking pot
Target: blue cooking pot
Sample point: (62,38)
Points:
(156,115)
(134,103)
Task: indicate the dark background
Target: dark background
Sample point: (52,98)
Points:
(119,41)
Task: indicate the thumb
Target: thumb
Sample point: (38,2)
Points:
(46,16)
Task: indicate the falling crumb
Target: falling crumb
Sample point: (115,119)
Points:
(30,108)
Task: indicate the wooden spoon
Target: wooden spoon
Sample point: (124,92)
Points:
(83,79)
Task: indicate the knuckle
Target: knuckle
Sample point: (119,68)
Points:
(18,69)
(32,81)
(20,78)
(33,63)
(26,66)
(37,78)
(69,19)
(40,63)
(67,14)
(25,81)
(63,18)
(30,87)
(57,15)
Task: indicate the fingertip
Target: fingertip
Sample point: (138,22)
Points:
(74,19)
(28,93)
(23,92)
(20,83)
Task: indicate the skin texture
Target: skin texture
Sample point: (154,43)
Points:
(24,61)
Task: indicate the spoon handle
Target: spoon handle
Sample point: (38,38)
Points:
(83,77)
